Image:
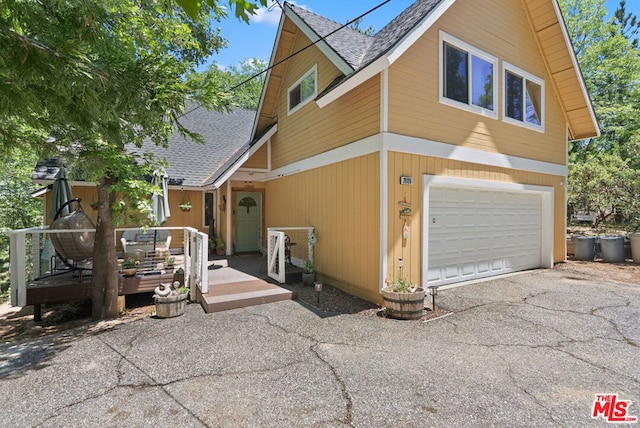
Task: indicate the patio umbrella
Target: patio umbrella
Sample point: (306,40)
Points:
(159,201)
(61,194)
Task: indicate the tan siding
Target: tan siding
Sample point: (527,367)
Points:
(414,107)
(311,130)
(258,160)
(342,202)
(416,166)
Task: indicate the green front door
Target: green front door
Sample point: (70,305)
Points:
(248,215)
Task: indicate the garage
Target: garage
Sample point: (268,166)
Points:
(478,231)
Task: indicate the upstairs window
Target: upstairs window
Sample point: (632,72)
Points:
(467,77)
(523,98)
(304,90)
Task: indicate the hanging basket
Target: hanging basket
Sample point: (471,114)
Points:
(404,306)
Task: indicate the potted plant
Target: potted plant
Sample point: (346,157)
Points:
(170,301)
(402,299)
(220,247)
(129,266)
(185,206)
(308,273)
(169,263)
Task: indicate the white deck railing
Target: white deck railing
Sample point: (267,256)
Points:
(31,248)
(296,251)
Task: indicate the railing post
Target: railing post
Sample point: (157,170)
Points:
(204,258)
(18,267)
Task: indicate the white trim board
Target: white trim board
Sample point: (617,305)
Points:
(418,146)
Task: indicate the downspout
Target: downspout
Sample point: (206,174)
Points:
(384,172)
(229,208)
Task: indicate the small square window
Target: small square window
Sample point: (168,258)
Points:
(304,90)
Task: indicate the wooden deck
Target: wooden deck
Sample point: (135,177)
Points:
(229,287)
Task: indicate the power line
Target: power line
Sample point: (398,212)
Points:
(309,45)
(247,80)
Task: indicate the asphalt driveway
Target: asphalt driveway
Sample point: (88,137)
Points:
(529,350)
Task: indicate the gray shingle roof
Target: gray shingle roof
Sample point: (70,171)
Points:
(194,164)
(226,137)
(393,33)
(360,50)
(349,44)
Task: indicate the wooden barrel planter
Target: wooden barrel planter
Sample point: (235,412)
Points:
(170,306)
(404,306)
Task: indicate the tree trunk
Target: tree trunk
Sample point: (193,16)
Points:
(104,283)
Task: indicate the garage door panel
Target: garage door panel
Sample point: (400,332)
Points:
(474,233)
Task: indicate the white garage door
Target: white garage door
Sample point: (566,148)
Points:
(475,233)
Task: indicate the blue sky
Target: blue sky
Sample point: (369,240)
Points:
(256,40)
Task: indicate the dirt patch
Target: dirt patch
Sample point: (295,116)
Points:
(627,272)
(17,324)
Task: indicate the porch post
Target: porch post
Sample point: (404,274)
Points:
(18,267)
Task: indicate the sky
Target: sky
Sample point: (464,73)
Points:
(256,39)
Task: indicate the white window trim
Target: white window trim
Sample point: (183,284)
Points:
(313,70)
(454,41)
(507,67)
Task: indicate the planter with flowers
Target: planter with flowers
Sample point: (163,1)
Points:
(402,299)
(185,206)
(129,266)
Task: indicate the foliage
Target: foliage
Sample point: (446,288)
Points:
(603,172)
(399,285)
(18,209)
(182,290)
(185,206)
(243,85)
(308,267)
(90,78)
(170,261)
(130,263)
(220,245)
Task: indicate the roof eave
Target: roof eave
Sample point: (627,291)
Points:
(324,47)
(244,157)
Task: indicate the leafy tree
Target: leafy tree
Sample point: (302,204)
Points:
(243,83)
(18,209)
(97,75)
(603,171)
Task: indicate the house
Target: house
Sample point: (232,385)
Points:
(435,149)
(190,166)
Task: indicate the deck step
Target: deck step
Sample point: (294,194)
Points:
(240,294)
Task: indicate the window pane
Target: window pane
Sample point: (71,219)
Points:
(533,99)
(482,83)
(294,97)
(308,86)
(456,80)
(514,96)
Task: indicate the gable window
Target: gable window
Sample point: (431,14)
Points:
(304,90)
(523,98)
(467,76)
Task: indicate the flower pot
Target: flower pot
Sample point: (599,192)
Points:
(129,271)
(584,247)
(185,208)
(220,251)
(612,249)
(170,306)
(308,278)
(404,306)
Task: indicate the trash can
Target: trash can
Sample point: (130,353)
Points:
(585,247)
(635,246)
(612,248)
